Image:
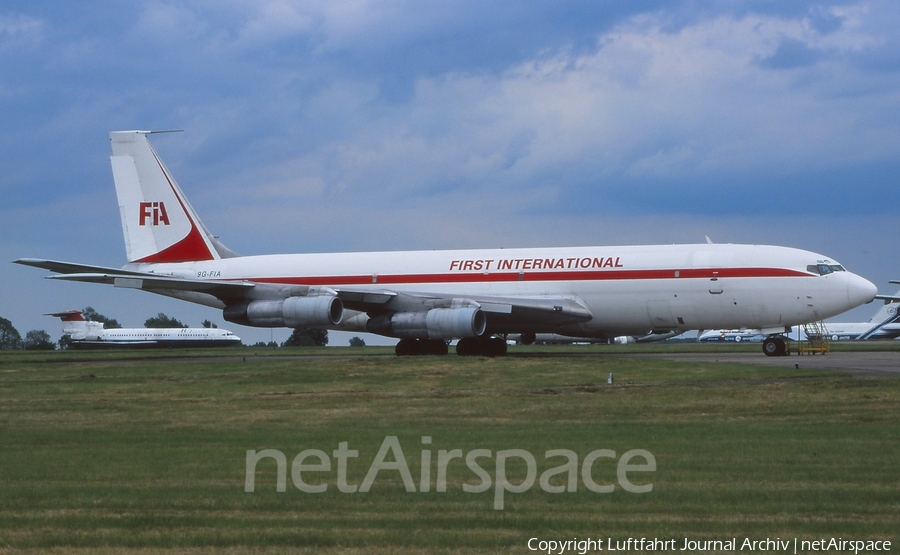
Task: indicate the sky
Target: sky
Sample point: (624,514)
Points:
(396,125)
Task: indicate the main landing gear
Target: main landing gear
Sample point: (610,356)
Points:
(481,346)
(469,346)
(775,347)
(411,347)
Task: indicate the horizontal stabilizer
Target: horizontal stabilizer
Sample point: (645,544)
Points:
(138,280)
(149,282)
(71,267)
(68,315)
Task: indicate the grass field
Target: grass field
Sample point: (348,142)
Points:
(147,452)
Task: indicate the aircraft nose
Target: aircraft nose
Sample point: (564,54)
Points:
(860,290)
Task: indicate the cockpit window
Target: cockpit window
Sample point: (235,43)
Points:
(824,269)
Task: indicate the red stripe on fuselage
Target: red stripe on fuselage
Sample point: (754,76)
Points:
(493,277)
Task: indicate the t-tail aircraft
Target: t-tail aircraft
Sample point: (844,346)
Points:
(427,298)
(85,334)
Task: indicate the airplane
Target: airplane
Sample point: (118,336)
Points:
(557,339)
(884,324)
(92,335)
(742,335)
(427,298)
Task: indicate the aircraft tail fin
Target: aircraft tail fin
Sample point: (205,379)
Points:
(68,316)
(76,326)
(159,223)
(887,313)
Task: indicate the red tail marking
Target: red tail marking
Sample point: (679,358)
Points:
(161,213)
(192,247)
(155,210)
(68,316)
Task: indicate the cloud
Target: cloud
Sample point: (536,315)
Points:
(20,30)
(650,103)
(279,103)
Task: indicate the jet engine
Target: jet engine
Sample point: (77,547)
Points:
(437,323)
(293,312)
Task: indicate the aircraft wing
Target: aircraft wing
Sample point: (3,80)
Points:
(891,298)
(138,280)
(508,313)
(503,313)
(365,300)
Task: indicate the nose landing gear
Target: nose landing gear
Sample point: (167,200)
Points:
(774,347)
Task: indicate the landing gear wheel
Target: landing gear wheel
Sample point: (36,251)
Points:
(774,347)
(414,347)
(496,347)
(434,346)
(467,347)
(481,346)
(407,347)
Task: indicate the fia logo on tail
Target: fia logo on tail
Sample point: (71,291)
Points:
(154,211)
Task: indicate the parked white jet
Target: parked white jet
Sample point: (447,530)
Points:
(93,335)
(885,324)
(425,298)
(557,339)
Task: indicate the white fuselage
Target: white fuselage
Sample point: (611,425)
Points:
(93,335)
(628,289)
(426,298)
(862,330)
